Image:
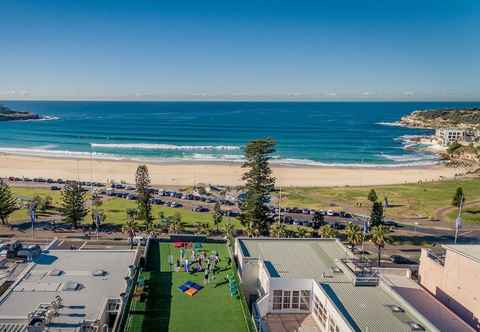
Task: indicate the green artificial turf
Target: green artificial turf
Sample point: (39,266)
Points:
(168,309)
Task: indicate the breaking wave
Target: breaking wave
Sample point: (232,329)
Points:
(145,146)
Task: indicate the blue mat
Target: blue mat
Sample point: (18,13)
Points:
(196,286)
(189,283)
(183,288)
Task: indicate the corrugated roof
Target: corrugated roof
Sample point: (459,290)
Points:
(368,308)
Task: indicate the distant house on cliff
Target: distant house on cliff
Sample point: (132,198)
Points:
(452,135)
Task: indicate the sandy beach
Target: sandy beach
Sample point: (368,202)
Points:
(184,174)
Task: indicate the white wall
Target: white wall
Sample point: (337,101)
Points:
(331,309)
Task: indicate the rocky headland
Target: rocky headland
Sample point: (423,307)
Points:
(7,114)
(466,118)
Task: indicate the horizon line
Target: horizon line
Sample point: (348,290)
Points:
(238,100)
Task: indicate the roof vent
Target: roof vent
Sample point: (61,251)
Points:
(396,308)
(99,273)
(70,286)
(336,269)
(55,273)
(415,326)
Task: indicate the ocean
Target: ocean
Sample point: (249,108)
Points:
(307,133)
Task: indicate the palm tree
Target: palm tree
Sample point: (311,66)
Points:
(278,230)
(229,227)
(302,232)
(354,235)
(378,238)
(175,224)
(162,221)
(130,228)
(131,214)
(205,228)
(251,230)
(327,232)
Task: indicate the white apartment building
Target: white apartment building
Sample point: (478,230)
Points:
(318,285)
(450,135)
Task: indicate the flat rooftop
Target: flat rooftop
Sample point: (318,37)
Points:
(295,258)
(470,250)
(39,284)
(426,304)
(369,308)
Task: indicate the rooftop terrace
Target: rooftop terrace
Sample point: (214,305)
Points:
(165,308)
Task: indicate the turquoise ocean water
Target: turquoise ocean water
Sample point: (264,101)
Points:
(308,133)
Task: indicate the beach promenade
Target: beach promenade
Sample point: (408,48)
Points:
(185,174)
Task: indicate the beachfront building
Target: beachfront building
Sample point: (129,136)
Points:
(450,135)
(452,274)
(68,290)
(318,285)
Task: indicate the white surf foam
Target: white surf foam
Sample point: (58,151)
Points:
(145,146)
(43,118)
(42,152)
(409,158)
(391,124)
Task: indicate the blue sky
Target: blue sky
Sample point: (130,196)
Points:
(271,49)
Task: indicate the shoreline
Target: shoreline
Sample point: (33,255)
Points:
(185,173)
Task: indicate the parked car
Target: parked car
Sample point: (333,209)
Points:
(337,225)
(397,259)
(390,223)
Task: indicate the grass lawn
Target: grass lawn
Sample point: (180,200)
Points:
(168,309)
(115,208)
(408,200)
(470,214)
(115,211)
(27,193)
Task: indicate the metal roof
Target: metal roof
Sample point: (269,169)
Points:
(470,250)
(369,308)
(295,258)
(37,285)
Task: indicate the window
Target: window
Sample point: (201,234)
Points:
(319,311)
(332,326)
(295,299)
(286,299)
(305,300)
(277,300)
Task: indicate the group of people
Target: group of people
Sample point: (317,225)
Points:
(196,262)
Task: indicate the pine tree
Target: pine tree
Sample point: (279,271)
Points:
(73,205)
(8,203)
(372,196)
(458,198)
(259,184)
(217,215)
(142,181)
(376,217)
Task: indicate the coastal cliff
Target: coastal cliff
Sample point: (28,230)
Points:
(467,118)
(7,114)
(460,153)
